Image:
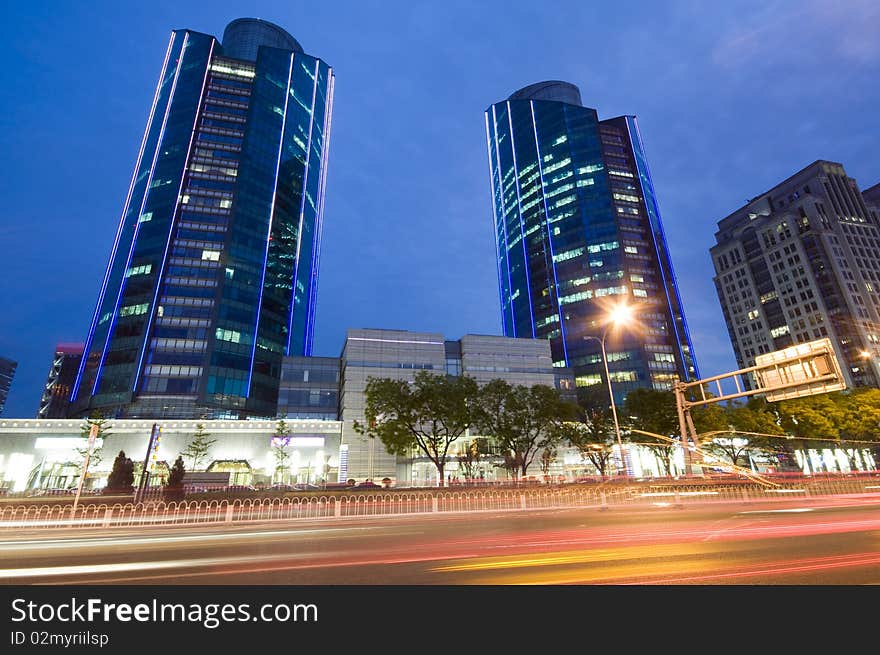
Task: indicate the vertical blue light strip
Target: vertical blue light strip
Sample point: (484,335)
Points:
(302,209)
(269,229)
(504,225)
(140,211)
(119,230)
(522,232)
(495,222)
(316,250)
(642,162)
(174,213)
(549,235)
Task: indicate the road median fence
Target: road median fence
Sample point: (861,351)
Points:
(403,502)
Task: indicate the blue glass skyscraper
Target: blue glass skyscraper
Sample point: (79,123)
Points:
(213,274)
(578,230)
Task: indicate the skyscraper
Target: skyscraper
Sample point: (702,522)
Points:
(7,372)
(55,402)
(801,262)
(578,231)
(213,274)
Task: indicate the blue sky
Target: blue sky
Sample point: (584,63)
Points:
(731,99)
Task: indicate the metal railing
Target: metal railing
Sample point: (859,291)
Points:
(400,503)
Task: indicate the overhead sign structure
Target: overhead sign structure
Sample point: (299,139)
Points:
(805,369)
(802,370)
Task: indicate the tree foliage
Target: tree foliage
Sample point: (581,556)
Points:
(429,414)
(593,435)
(177,473)
(95,418)
(121,478)
(521,420)
(199,446)
(174,485)
(653,411)
(469,459)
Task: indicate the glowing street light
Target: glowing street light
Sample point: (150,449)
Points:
(621,315)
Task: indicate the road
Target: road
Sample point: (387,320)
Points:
(830,540)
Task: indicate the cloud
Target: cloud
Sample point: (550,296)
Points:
(780,32)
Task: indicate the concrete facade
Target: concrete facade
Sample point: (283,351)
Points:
(802,262)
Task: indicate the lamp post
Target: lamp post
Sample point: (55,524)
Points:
(621,314)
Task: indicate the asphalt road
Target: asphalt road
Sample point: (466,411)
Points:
(828,541)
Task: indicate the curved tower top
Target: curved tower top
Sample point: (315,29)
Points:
(243,37)
(549,90)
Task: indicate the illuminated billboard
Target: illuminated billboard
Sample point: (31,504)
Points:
(805,369)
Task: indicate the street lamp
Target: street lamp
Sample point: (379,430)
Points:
(621,314)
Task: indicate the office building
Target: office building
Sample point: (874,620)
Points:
(7,372)
(309,388)
(578,232)
(400,355)
(55,402)
(213,275)
(872,200)
(801,262)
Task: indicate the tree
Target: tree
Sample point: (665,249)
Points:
(511,462)
(178,471)
(548,456)
(654,411)
(95,418)
(469,460)
(811,419)
(199,447)
(280,441)
(859,421)
(174,486)
(430,413)
(522,420)
(748,427)
(282,459)
(593,436)
(121,478)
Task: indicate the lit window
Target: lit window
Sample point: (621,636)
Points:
(211,255)
(139,270)
(599,247)
(233,70)
(133,310)
(778,332)
(568,254)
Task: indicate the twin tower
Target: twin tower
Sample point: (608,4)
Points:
(213,274)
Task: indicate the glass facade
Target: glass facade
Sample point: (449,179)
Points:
(309,388)
(577,231)
(213,275)
(7,372)
(55,402)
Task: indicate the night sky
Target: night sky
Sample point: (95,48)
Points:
(731,99)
